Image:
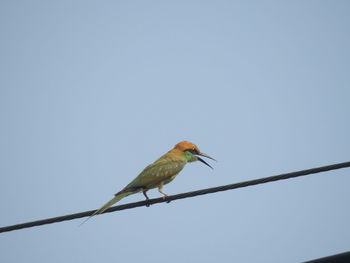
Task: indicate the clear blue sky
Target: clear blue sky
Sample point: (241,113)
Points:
(93,91)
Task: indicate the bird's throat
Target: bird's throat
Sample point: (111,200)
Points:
(189,157)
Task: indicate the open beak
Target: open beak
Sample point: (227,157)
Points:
(207,156)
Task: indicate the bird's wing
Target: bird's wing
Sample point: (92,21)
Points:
(156,173)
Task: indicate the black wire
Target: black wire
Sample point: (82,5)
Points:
(180,196)
(338,258)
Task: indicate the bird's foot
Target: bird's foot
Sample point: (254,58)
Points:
(166,198)
(144,191)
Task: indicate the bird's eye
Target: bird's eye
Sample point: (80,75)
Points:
(194,150)
(191,150)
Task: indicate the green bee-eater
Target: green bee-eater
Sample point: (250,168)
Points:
(159,173)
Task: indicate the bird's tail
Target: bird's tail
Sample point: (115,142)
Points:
(116,198)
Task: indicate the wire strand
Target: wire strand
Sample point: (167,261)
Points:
(180,196)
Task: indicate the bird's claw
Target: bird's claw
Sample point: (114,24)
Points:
(166,198)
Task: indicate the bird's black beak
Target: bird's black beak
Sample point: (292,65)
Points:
(207,156)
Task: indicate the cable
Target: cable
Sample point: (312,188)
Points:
(180,196)
(339,258)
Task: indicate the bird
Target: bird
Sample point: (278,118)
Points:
(161,172)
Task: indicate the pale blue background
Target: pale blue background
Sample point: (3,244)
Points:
(93,91)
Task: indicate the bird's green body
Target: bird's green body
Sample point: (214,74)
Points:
(159,173)
(162,171)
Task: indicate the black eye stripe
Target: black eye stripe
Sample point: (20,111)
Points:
(192,150)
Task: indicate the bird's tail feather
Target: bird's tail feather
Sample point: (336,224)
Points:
(117,198)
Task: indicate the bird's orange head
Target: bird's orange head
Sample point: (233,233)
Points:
(192,152)
(184,145)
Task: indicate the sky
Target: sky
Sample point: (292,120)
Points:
(91,92)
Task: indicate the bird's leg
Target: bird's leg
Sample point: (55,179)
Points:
(144,191)
(165,195)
